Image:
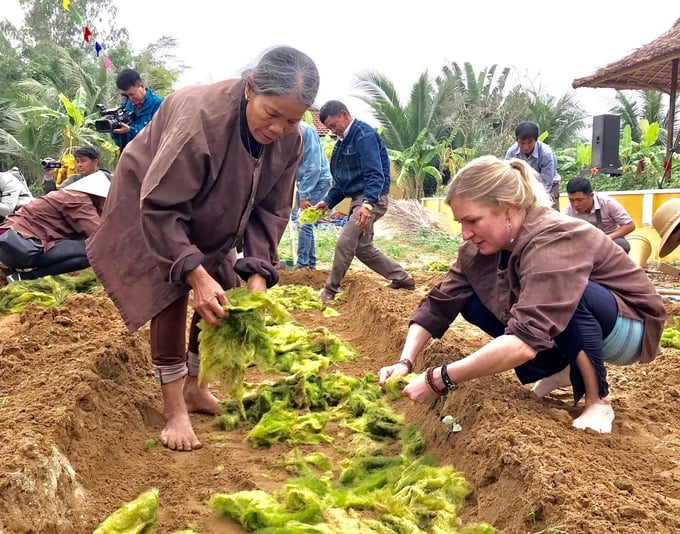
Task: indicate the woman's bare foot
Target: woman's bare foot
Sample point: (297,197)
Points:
(597,416)
(547,385)
(198,398)
(178,433)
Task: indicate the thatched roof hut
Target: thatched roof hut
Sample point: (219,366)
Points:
(653,66)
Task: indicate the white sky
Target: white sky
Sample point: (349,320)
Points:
(546,44)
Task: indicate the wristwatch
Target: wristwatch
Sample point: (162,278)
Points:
(368,206)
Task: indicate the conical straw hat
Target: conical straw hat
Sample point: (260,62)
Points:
(666,221)
(96,184)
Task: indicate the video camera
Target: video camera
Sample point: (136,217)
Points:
(112,118)
(50,163)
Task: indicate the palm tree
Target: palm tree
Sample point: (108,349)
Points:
(405,129)
(634,106)
(561,118)
(471,115)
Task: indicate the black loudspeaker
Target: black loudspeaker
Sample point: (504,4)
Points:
(605,155)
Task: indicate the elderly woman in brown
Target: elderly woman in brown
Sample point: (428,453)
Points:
(557,295)
(216,164)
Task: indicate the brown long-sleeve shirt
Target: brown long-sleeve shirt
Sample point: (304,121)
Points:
(536,295)
(62,214)
(183,191)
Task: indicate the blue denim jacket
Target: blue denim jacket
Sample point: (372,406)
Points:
(314,169)
(359,164)
(140,118)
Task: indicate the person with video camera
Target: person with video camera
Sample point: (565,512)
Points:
(140,105)
(87,162)
(14,192)
(50,168)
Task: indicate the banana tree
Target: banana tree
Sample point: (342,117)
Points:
(54,132)
(415,163)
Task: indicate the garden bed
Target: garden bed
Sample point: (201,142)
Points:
(79,405)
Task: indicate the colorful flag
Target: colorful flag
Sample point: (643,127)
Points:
(107,63)
(66,4)
(97,47)
(77,16)
(87,34)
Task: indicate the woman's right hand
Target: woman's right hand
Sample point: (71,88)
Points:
(396,369)
(209,297)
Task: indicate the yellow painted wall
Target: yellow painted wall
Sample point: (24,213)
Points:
(641,205)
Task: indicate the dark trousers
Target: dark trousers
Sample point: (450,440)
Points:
(593,320)
(168,337)
(66,256)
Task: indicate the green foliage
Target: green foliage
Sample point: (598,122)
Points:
(44,292)
(51,81)
(310,215)
(671,335)
(405,249)
(240,339)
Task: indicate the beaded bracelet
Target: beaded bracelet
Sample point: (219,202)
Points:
(408,363)
(449,384)
(429,378)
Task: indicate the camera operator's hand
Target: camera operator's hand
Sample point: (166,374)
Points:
(124,128)
(49,174)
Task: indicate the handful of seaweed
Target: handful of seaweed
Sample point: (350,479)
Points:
(240,340)
(310,215)
(135,517)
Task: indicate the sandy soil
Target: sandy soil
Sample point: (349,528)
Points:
(78,402)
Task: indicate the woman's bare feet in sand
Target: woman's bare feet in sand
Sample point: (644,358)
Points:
(547,385)
(597,416)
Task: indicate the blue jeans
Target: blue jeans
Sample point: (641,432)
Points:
(306,253)
(593,320)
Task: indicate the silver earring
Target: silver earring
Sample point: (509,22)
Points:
(511,239)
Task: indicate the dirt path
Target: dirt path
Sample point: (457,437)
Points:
(78,402)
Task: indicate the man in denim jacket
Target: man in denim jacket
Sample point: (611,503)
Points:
(361,170)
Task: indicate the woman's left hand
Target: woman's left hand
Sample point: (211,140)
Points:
(418,391)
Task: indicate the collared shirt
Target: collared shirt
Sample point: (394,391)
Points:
(344,134)
(542,159)
(607,213)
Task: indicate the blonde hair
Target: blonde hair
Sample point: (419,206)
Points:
(498,182)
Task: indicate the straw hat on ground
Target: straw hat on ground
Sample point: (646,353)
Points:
(96,184)
(666,221)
